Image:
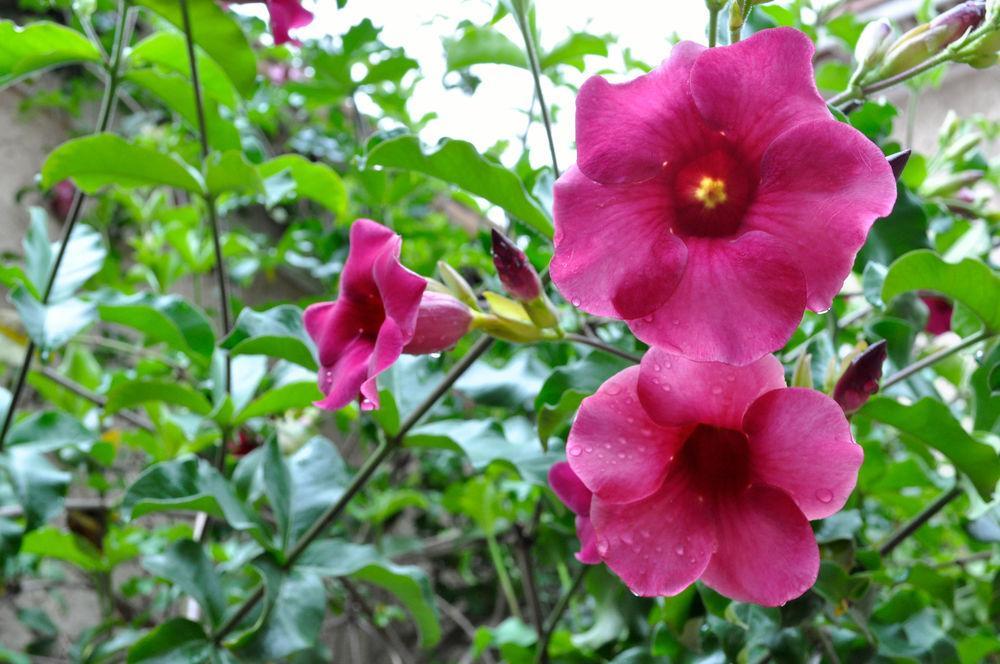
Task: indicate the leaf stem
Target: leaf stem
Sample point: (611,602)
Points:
(607,348)
(855,92)
(911,369)
(122,36)
(542,653)
(536,73)
(914,524)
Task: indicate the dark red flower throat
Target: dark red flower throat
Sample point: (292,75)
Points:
(711,194)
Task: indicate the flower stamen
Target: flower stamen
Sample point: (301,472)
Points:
(711,192)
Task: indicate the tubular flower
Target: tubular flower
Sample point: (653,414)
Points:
(577,497)
(286,15)
(715,198)
(706,470)
(365,330)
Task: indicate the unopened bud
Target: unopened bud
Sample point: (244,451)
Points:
(457,284)
(516,273)
(928,39)
(802,373)
(897,162)
(957,150)
(441,321)
(873,43)
(861,379)
(949,183)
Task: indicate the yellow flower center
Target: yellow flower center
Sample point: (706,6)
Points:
(711,192)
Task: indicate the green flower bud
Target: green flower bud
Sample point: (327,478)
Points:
(929,39)
(873,43)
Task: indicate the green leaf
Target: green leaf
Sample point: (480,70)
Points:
(132,393)
(49,431)
(50,542)
(292,396)
(458,163)
(571,50)
(168,50)
(175,641)
(189,484)
(318,479)
(482,45)
(51,326)
(186,566)
(93,162)
(218,34)
(166,318)
(905,229)
(315,181)
(231,172)
(363,563)
(276,332)
(177,94)
(971,282)
(38,255)
(562,392)
(292,615)
(278,488)
(39,486)
(930,422)
(40,46)
(82,260)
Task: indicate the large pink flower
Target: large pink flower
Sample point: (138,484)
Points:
(287,15)
(364,331)
(577,497)
(715,198)
(706,470)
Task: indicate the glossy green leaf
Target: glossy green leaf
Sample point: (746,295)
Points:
(572,50)
(218,34)
(930,422)
(165,318)
(230,172)
(132,393)
(458,163)
(562,392)
(101,160)
(292,615)
(482,45)
(40,46)
(188,484)
(48,431)
(50,542)
(168,50)
(315,181)
(971,282)
(292,396)
(175,641)
(186,566)
(364,563)
(318,479)
(277,332)
(82,259)
(51,326)
(278,489)
(39,486)
(905,229)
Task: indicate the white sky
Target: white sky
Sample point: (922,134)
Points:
(495,111)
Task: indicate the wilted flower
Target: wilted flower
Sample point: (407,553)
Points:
(860,380)
(364,331)
(705,470)
(576,496)
(715,198)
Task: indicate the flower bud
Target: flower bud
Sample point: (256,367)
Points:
(949,183)
(457,284)
(861,379)
(516,273)
(441,322)
(897,162)
(928,39)
(873,43)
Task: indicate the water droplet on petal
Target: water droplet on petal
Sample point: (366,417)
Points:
(614,389)
(716,390)
(602,547)
(575,301)
(589,448)
(657,367)
(679,549)
(575,451)
(627,538)
(648,319)
(824,495)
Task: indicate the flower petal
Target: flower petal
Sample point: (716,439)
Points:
(368,241)
(758,88)
(388,347)
(287,15)
(678,392)
(801,443)
(400,289)
(737,301)
(588,541)
(659,545)
(574,494)
(822,186)
(341,381)
(767,553)
(625,132)
(615,448)
(615,255)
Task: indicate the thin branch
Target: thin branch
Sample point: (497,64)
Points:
(536,74)
(914,524)
(542,653)
(607,348)
(919,365)
(522,548)
(123,34)
(877,86)
(93,397)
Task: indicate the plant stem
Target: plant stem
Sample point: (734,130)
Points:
(536,73)
(713,27)
(123,34)
(496,556)
(607,348)
(862,92)
(911,369)
(381,453)
(911,526)
(93,397)
(542,653)
(525,562)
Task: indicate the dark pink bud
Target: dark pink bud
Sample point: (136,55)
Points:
(441,322)
(939,316)
(516,272)
(897,162)
(62,199)
(961,18)
(860,380)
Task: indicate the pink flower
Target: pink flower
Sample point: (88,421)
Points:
(705,470)
(365,330)
(441,321)
(287,15)
(576,496)
(939,314)
(861,378)
(715,198)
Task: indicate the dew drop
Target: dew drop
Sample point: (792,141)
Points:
(679,549)
(824,495)
(627,538)
(602,547)
(656,381)
(666,388)
(575,302)
(677,321)
(614,389)
(731,378)
(575,451)
(646,534)
(607,446)
(716,390)
(648,319)
(621,455)
(589,449)
(657,367)
(667,364)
